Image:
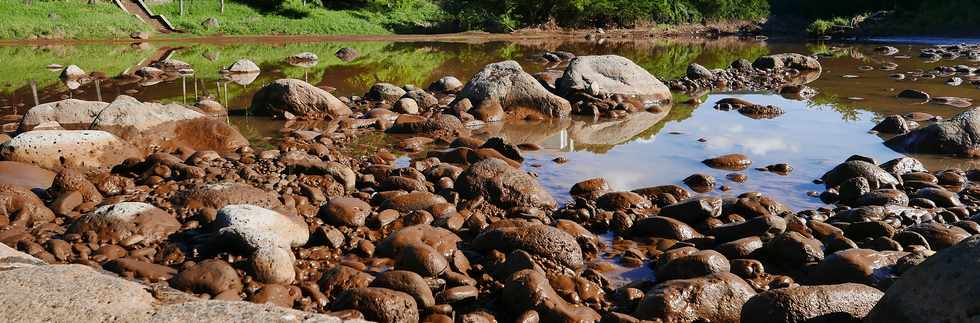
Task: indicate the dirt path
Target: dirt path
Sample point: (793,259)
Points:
(134,8)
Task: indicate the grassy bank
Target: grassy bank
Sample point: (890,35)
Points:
(293,18)
(65,20)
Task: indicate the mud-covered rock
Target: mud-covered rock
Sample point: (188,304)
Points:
(823,303)
(717,298)
(298,98)
(505,186)
(122,221)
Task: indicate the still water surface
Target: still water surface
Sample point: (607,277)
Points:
(813,135)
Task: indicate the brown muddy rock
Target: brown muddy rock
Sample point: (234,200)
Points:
(212,276)
(413,201)
(787,60)
(152,126)
(883,197)
(407,282)
(25,175)
(140,269)
(853,266)
(590,188)
(940,289)
(663,227)
(446,84)
(530,290)
(759,111)
(345,211)
(422,259)
(741,248)
(347,54)
(877,178)
(812,304)
(715,298)
(54,293)
(342,278)
(210,107)
(71,113)
(218,195)
(384,92)
(700,183)
(752,205)
(442,240)
(276,294)
(489,111)
(795,249)
(439,124)
(58,149)
(953,136)
(70,180)
(518,93)
(694,210)
(504,186)
(765,227)
(380,305)
(616,201)
(675,191)
(940,236)
(539,240)
(298,98)
(729,162)
(894,124)
(941,197)
(21,206)
(125,220)
(701,263)
(607,75)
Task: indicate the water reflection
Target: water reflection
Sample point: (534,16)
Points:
(641,150)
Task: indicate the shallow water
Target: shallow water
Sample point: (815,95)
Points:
(813,135)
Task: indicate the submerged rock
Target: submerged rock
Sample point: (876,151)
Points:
(788,60)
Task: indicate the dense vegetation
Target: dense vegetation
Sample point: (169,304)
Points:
(101,19)
(908,15)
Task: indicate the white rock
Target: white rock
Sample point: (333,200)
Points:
(56,149)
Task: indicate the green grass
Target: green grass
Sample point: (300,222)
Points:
(295,18)
(65,20)
(822,27)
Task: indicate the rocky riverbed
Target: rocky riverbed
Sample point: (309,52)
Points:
(141,211)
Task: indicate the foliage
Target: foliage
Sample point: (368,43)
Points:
(65,20)
(513,14)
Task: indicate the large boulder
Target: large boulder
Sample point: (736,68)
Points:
(298,98)
(57,149)
(121,221)
(69,113)
(941,289)
(605,75)
(58,293)
(503,185)
(147,125)
(812,304)
(521,96)
(788,60)
(713,298)
(959,135)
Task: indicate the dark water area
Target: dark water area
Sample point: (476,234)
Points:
(641,150)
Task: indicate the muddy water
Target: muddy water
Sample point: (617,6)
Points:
(642,150)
